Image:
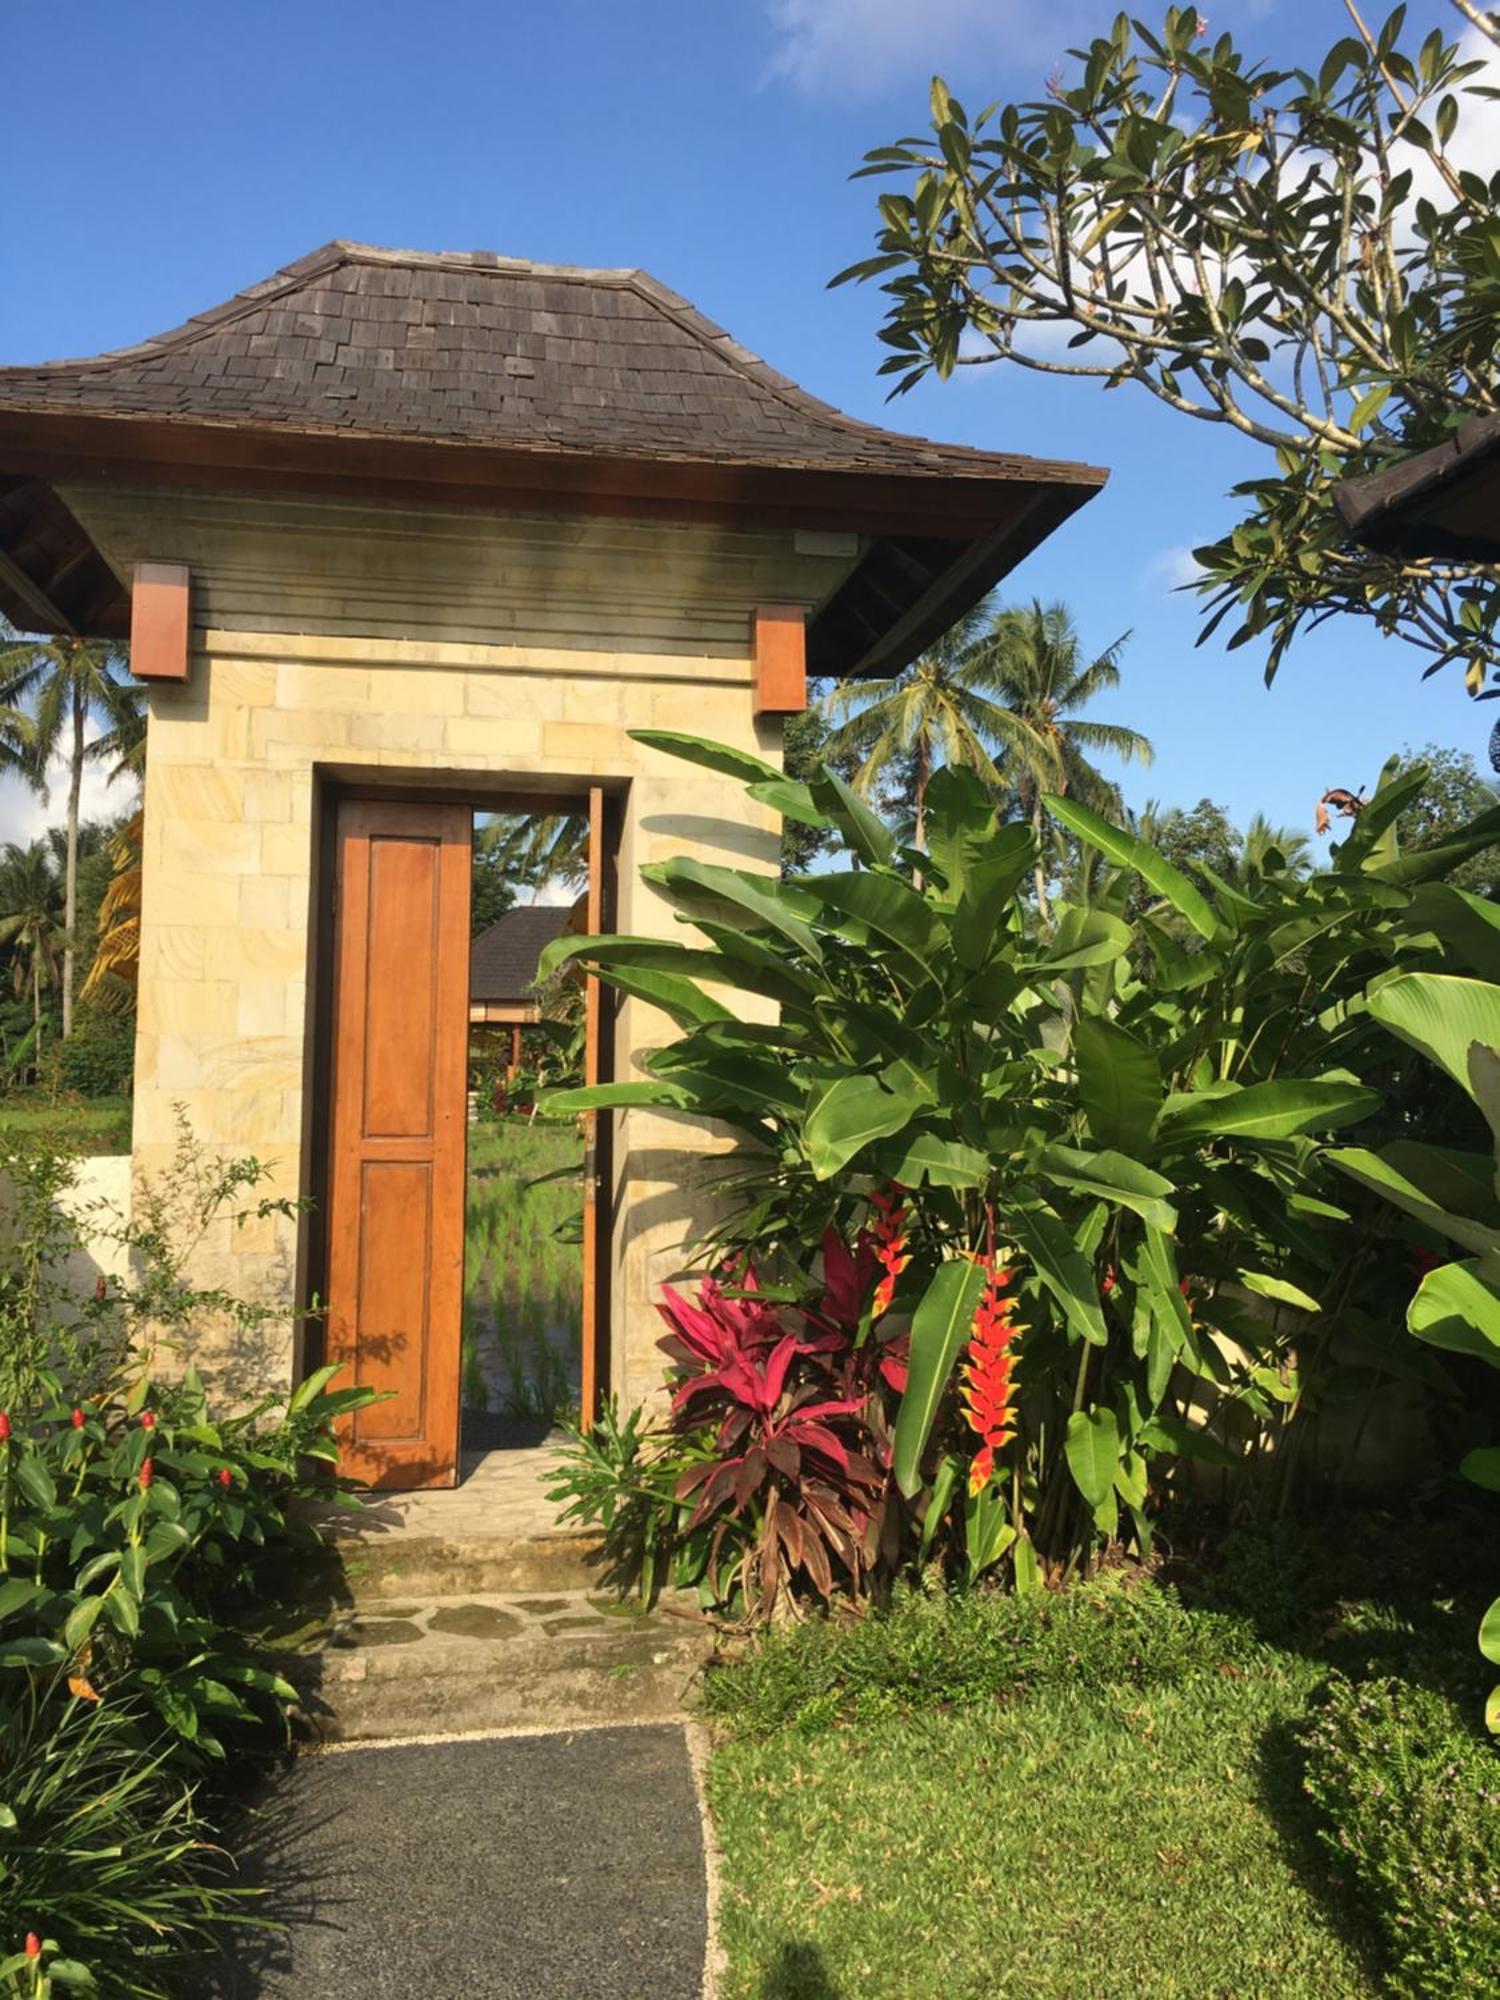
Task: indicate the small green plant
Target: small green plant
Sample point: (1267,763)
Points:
(1410,1798)
(110,1881)
(622,1477)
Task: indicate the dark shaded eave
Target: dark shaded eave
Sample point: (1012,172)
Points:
(937,542)
(1438,505)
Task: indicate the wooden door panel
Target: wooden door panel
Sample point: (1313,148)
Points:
(399,1133)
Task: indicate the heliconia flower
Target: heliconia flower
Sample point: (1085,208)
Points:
(148,1420)
(33,1945)
(78,1420)
(4,1428)
(148,1473)
(226,1477)
(988,1389)
(890,1240)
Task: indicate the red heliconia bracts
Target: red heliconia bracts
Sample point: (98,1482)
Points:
(989,1368)
(889,1237)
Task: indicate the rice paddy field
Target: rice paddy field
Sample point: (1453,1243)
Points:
(523,1270)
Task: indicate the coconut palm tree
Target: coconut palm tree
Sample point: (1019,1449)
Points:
(1040,681)
(31,921)
(66,683)
(941,710)
(1262,843)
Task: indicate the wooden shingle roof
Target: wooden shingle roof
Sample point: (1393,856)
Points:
(503,959)
(508,383)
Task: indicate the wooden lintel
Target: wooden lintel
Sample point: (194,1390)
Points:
(779,641)
(159,622)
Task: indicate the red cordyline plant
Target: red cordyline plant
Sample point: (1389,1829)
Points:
(798,1485)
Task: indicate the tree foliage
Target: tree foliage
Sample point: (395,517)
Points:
(1306,257)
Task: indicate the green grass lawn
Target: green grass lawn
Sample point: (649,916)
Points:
(523,1268)
(1063,1847)
(1087,1797)
(82,1125)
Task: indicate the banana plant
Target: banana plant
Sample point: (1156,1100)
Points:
(1131,1112)
(1455,1023)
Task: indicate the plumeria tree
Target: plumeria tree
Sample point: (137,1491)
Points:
(1306,257)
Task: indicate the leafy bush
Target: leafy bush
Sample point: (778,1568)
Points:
(1411,1805)
(105,1861)
(98,1058)
(1109,1124)
(958,1649)
(128,1524)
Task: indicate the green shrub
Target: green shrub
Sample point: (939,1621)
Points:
(957,1649)
(1410,1800)
(103,1858)
(98,1058)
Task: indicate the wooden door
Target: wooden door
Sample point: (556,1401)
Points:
(398,1133)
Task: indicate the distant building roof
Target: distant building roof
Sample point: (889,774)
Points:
(485,377)
(1441,503)
(503,959)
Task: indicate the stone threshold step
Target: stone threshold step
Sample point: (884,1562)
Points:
(410,1567)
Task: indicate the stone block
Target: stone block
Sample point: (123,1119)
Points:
(265,903)
(505,743)
(242,683)
(396,732)
(416,691)
(286,850)
(590,748)
(323,690)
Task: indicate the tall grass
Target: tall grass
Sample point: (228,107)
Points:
(523,1268)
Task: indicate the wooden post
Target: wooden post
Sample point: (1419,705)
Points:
(588,1397)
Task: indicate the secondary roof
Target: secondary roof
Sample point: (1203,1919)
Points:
(1439,504)
(494,380)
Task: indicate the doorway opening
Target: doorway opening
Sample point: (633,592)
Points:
(524,1195)
(466,1232)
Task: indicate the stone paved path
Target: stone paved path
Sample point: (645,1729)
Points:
(551,1867)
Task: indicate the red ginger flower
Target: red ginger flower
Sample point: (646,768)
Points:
(4,1428)
(148,1473)
(148,1420)
(33,1945)
(78,1420)
(226,1477)
(890,1240)
(988,1375)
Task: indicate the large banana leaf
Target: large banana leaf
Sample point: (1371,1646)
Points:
(724,758)
(849,1115)
(865,832)
(1119,1083)
(1062,1268)
(1092,1447)
(1441,1015)
(1393,1179)
(1458,1310)
(764,974)
(885,905)
(1128,852)
(779,906)
(1116,1178)
(940,1326)
(1266,1111)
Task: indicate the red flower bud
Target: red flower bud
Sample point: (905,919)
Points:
(33,1945)
(4,1427)
(148,1473)
(226,1477)
(78,1420)
(148,1420)
(101,1287)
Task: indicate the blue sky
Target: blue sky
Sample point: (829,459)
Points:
(171,152)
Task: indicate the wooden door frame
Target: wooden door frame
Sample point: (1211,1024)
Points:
(602,801)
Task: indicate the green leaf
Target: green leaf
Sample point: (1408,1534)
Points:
(1467,924)
(1062,1268)
(17,1592)
(1489,1634)
(777,906)
(887,905)
(939,1328)
(1389,1176)
(311,1386)
(987,1529)
(1028,1569)
(1116,1177)
(793,800)
(703,751)
(35,1481)
(1442,1016)
(1092,1448)
(81,1621)
(1127,852)
(985,899)
(848,1115)
(31,1652)
(1085,937)
(608,1097)
(1455,1309)
(1119,1083)
(677,997)
(865,832)
(1266,1111)
(1169,1433)
(940,1162)
(1482,1467)
(1279,1289)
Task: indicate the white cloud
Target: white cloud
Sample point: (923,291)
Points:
(1174,567)
(26,815)
(854,48)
